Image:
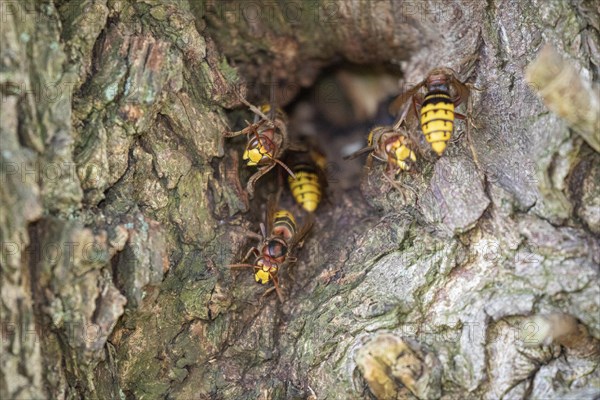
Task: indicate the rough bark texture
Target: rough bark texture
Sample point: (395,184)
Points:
(121,209)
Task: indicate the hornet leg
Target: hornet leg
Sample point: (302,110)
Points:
(256,177)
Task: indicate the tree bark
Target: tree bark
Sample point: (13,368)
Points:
(122,207)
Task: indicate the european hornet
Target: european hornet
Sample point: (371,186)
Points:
(444,92)
(267,140)
(278,240)
(392,145)
(309,166)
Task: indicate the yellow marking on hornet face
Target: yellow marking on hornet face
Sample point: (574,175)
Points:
(262,275)
(402,162)
(255,155)
(402,153)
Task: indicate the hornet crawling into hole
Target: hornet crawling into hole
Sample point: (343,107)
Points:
(309,164)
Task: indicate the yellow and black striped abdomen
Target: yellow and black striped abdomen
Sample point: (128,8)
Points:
(306,188)
(437,120)
(284,224)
